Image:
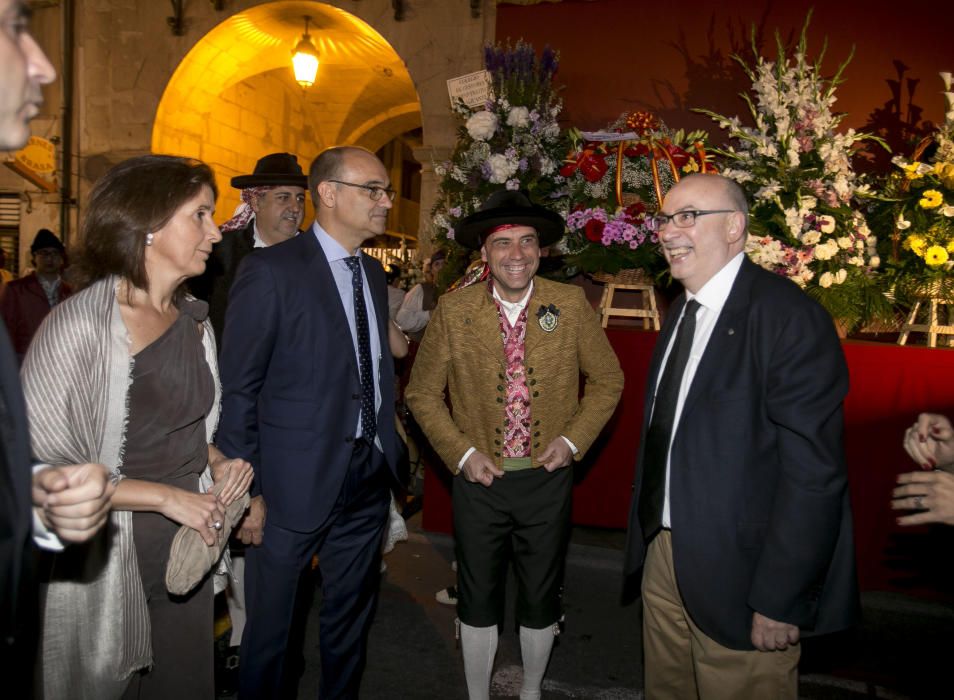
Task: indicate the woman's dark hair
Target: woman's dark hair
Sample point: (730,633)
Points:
(137,197)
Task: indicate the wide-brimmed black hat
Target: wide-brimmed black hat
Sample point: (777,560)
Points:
(45,238)
(509,207)
(273,170)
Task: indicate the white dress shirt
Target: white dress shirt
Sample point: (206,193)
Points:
(711,298)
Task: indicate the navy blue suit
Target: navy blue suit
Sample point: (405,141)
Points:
(18,610)
(759,504)
(291,394)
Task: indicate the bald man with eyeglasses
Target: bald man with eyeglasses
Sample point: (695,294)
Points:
(740,524)
(308,399)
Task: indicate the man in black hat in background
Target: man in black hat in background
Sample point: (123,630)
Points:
(272,209)
(28,300)
(510,353)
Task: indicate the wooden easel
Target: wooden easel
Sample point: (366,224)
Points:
(932,328)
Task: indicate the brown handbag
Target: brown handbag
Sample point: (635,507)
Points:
(190,558)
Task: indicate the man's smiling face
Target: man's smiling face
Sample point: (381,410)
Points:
(513,255)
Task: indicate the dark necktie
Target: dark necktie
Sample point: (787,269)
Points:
(368,426)
(653,491)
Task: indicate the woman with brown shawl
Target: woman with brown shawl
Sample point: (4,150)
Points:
(124,373)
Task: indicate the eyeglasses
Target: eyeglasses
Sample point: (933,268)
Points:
(682,219)
(375,193)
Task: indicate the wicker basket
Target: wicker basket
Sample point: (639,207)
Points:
(630,276)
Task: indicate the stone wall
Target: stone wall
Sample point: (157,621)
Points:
(126,56)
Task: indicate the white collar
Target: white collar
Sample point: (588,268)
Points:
(714,293)
(514,306)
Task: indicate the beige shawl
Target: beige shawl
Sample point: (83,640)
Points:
(76,378)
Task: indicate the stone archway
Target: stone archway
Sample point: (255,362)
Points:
(233,97)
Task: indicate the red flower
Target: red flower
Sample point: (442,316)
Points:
(594,230)
(639,149)
(592,165)
(635,211)
(678,155)
(568,169)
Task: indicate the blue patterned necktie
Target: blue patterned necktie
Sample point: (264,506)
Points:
(368,426)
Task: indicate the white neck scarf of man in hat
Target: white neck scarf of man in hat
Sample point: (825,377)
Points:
(244,213)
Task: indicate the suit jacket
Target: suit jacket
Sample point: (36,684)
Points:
(17,584)
(24,306)
(214,284)
(463,351)
(760,514)
(291,388)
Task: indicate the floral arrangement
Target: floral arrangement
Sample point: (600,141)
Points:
(806,220)
(513,141)
(616,180)
(922,196)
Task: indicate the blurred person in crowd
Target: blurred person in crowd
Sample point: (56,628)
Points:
(68,503)
(392,273)
(308,398)
(273,206)
(124,373)
(5,274)
(28,300)
(510,354)
(930,491)
(421,300)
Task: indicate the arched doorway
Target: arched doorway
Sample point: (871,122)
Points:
(233,98)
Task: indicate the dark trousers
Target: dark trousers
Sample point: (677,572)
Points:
(348,546)
(523,519)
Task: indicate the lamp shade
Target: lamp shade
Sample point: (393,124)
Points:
(305,62)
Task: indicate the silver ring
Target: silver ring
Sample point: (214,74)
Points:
(919,503)
(217,524)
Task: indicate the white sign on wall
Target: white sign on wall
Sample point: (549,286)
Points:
(473,89)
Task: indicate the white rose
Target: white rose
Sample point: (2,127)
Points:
(874,261)
(825,280)
(841,276)
(947,210)
(844,242)
(519,117)
(811,238)
(826,251)
(482,126)
(501,169)
(827,223)
(903,224)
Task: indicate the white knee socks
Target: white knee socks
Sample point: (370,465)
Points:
(479,645)
(535,647)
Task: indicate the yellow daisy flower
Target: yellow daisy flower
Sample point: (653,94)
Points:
(913,171)
(916,244)
(691,167)
(930,199)
(950,246)
(935,255)
(945,173)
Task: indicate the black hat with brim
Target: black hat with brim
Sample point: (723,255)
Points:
(45,238)
(509,207)
(273,170)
